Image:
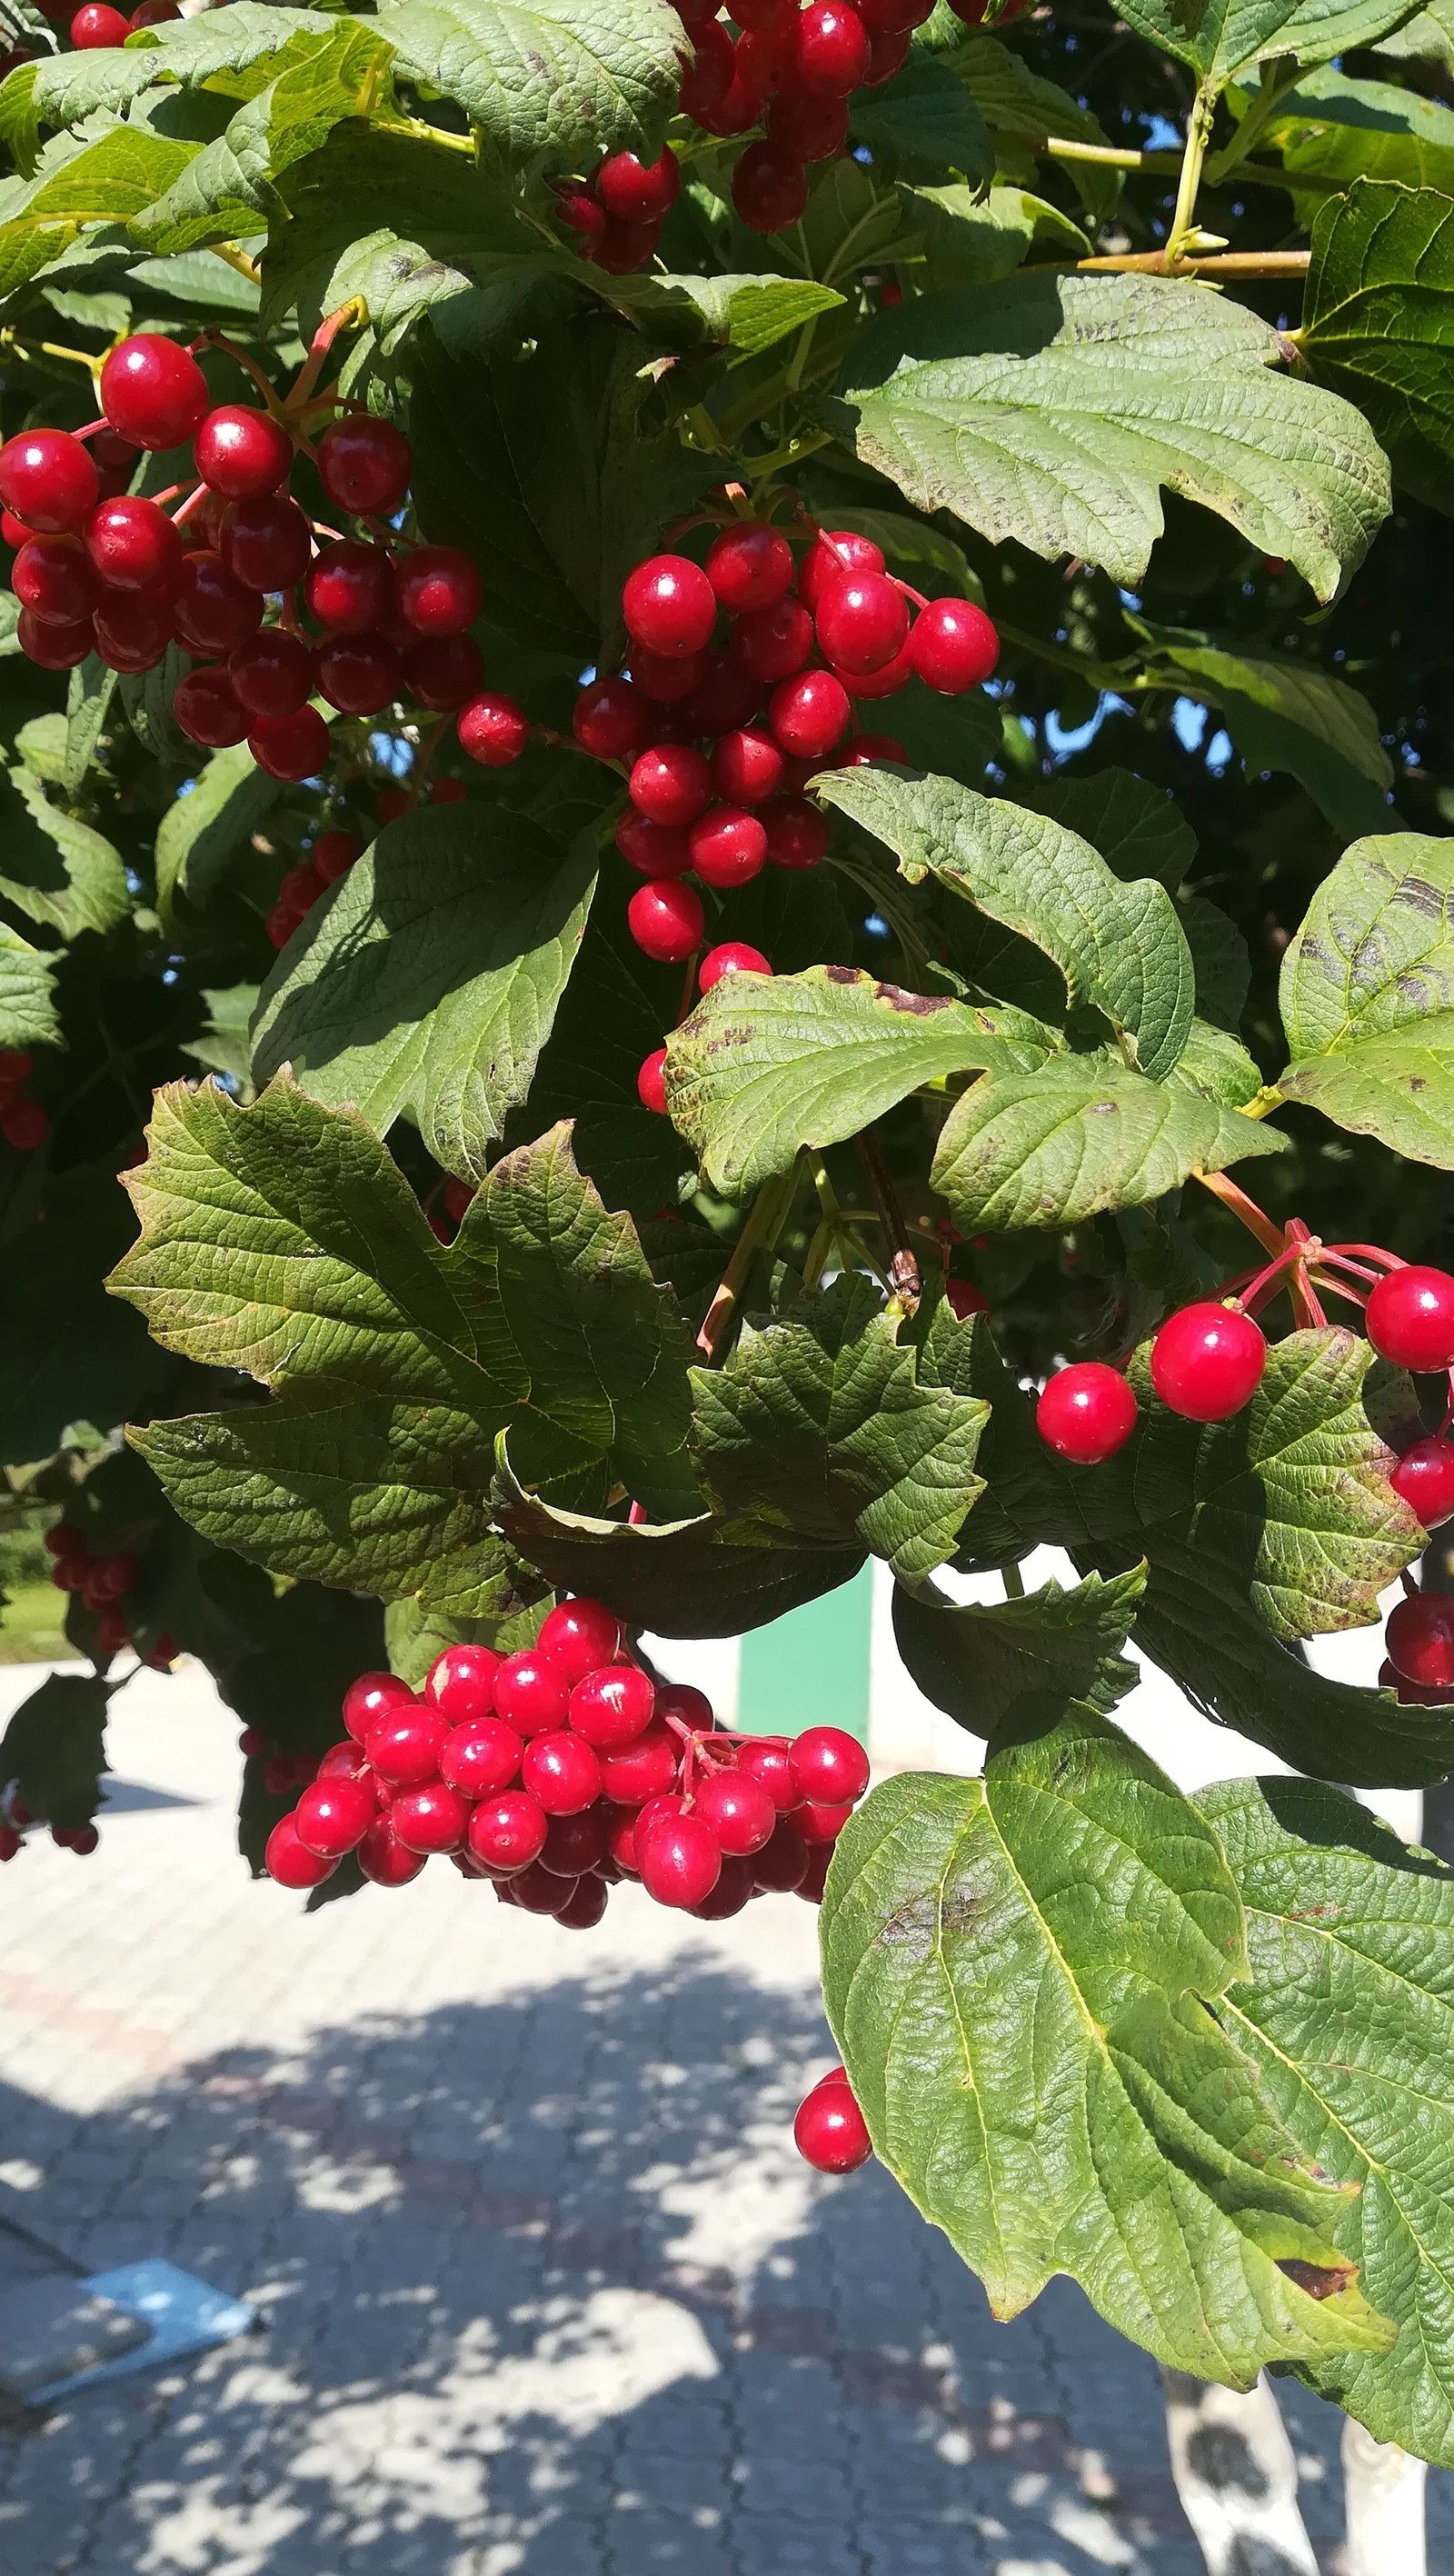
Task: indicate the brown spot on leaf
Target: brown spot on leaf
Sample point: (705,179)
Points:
(912,1926)
(841,974)
(918,1006)
(1420,896)
(1319,2280)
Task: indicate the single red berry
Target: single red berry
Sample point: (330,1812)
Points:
(1087,1413)
(669,606)
(808,714)
(737,1808)
(54,578)
(361,674)
(886,55)
(769,190)
(460,1683)
(666,682)
(507,1832)
(644,1768)
(333,1816)
(766,1761)
(25,1125)
(384,1860)
(770,644)
(609,720)
(1207,1361)
(651,1082)
(532,1694)
(211,610)
(652,849)
(560,1772)
(818,1822)
(391,804)
(830,2131)
(804,128)
(723,699)
(442,671)
(290,1862)
(830,49)
(272,673)
(292,747)
(862,620)
(637,192)
(1420,1639)
(301,887)
(734,957)
(797,834)
(708,76)
(117,1574)
(580,1635)
(71,1573)
(575,1843)
(431,1818)
(964,1299)
(59,1540)
(84,1840)
(666,920)
(623,248)
(953,646)
(344,1761)
(728,846)
(779,1868)
(9,1842)
(827,1764)
(115,460)
(886,683)
(750,566)
(334,853)
(584,1906)
(208,709)
(152,392)
(47,480)
(612,1704)
(350,587)
(677,1858)
(371,1697)
(242,453)
(671,783)
(482,1756)
(834,552)
(1411,1318)
(96,26)
(683,1704)
(404,1743)
(1424,1479)
(747,768)
(12,530)
(493,729)
(266,544)
(132,629)
(363,464)
(53,648)
(583,212)
(280,923)
(868,748)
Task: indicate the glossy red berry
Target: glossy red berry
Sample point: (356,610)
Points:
(54,648)
(769,190)
(623,248)
(666,920)
(869,748)
(610,720)
(1410,1318)
(507,1832)
(384,1860)
(152,392)
(460,1683)
(482,1756)
(728,846)
(637,192)
(644,1768)
(290,1862)
(652,849)
(667,683)
(431,1818)
(574,1843)
(272,673)
(738,1809)
(767,1761)
(613,1704)
(343,1761)
(804,128)
(723,698)
(1420,1639)
(363,464)
(770,644)
(96,26)
(370,1698)
(493,730)
(133,544)
(1424,1479)
(862,620)
(54,578)
(360,674)
(830,2131)
(560,1772)
(584,1906)
(671,783)
(834,552)
(651,1082)
(391,804)
(797,834)
(734,957)
(708,76)
(334,853)
(809,714)
(532,1694)
(669,606)
(132,630)
(827,1764)
(1086,1413)
(440,590)
(580,1635)
(819,1822)
(211,610)
(583,212)
(747,767)
(242,453)
(333,1815)
(404,1743)
(830,49)
(750,567)
(782,1863)
(885,683)
(350,587)
(1207,1362)
(291,747)
(677,1858)
(442,671)
(953,646)
(208,709)
(47,480)
(266,544)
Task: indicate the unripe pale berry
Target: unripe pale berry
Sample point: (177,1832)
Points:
(1207,1361)
(1410,1318)
(1086,1413)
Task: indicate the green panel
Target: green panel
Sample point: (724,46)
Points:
(811,1667)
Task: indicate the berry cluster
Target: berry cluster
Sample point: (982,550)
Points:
(562,1769)
(16,1821)
(100,569)
(97,25)
(281,1771)
(830,2130)
(23,1123)
(102,1582)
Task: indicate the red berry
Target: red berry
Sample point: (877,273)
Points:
(895,675)
(613,1704)
(830,49)
(54,579)
(584,1906)
(266,544)
(460,1683)
(609,720)
(1207,1361)
(804,128)
(808,714)
(870,747)
(152,392)
(954,646)
(1086,1413)
(667,682)
(9,1842)
(242,453)
(1420,1639)
(747,767)
(47,480)
(653,849)
(442,671)
(767,1761)
(666,920)
(507,1832)
(827,1764)
(211,610)
(638,192)
(333,1816)
(384,1860)
(345,1761)
(580,1635)
(272,673)
(644,1768)
(482,1756)
(280,924)
(25,1125)
(370,1698)
(59,1540)
(560,1772)
(651,1082)
(771,644)
(361,674)
(363,464)
(532,1694)
(671,783)
(431,1818)
(830,2131)
(391,804)
(290,1862)
(769,190)
(291,747)
(493,729)
(574,1843)
(440,590)
(677,1858)
(334,853)
(1424,1479)
(1411,1318)
(723,698)
(350,587)
(728,846)
(538,1890)
(797,834)
(585,215)
(818,1822)
(708,77)
(685,1705)
(624,248)
(132,630)
(14,531)
(750,566)
(404,1743)
(54,648)
(449,791)
(96,26)
(669,606)
(862,620)
(734,957)
(782,1863)
(738,1809)
(208,709)
(886,55)
(833,552)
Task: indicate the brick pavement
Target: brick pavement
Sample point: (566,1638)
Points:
(544,2286)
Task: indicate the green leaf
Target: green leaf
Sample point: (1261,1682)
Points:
(747,313)
(762,1068)
(581,77)
(416,1635)
(1223,971)
(1119,946)
(610,1019)
(64,89)
(1219,38)
(1072,1911)
(923,123)
(1290,716)
(27,1002)
(1361,129)
(1378,321)
(1053,409)
(704,1577)
(1347,2016)
(1367,994)
(970,238)
(54,868)
(54,1749)
(1135,826)
(201,832)
(106,182)
(978,1661)
(87,1359)
(430,978)
(88,703)
(147,697)
(819,1427)
(1022,109)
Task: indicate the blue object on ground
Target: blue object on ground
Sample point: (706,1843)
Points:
(184,2315)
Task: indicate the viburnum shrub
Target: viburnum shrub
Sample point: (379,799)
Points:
(650,892)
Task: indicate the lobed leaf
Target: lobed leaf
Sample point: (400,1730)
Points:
(1367,993)
(978,1660)
(702,1577)
(1222,37)
(565,82)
